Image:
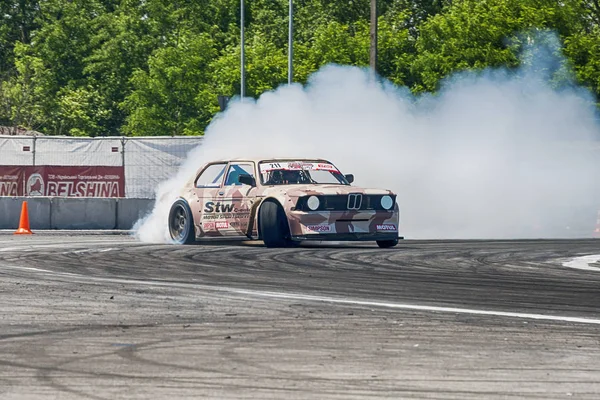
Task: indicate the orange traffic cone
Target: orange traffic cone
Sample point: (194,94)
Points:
(597,230)
(24,222)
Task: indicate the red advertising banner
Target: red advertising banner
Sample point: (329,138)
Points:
(61,181)
(11,181)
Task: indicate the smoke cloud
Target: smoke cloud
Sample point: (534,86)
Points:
(495,154)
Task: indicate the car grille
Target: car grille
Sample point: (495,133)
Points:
(352,202)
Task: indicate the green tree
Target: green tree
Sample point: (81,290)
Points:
(81,111)
(24,95)
(172,97)
(17,21)
(148,67)
(474,34)
(396,48)
(266,68)
(583,49)
(121,43)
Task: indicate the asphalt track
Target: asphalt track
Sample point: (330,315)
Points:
(106,317)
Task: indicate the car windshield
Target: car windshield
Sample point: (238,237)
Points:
(286,172)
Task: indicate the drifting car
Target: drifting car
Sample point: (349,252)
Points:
(281,202)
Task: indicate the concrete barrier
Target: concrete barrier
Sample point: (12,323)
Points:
(74,212)
(39,212)
(83,213)
(130,210)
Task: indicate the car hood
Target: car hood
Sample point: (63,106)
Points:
(307,190)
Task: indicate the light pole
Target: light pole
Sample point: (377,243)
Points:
(242,66)
(373,37)
(291,44)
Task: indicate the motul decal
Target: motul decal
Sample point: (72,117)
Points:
(387,227)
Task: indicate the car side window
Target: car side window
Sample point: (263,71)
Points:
(211,177)
(235,170)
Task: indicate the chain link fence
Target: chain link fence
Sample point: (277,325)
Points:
(140,162)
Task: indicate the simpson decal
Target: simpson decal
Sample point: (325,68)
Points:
(319,228)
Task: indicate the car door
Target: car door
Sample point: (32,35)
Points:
(235,200)
(207,186)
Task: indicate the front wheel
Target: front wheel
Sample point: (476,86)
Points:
(386,244)
(181,223)
(274,228)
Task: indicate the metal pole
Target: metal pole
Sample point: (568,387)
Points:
(291,44)
(243,69)
(34,149)
(373,36)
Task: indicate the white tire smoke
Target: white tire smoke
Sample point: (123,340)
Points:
(493,155)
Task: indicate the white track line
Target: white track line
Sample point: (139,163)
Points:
(583,263)
(322,299)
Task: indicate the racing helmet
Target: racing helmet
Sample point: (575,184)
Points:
(290,176)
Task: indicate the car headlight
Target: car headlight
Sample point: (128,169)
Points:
(313,203)
(387,202)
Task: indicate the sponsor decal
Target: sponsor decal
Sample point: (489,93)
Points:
(296,165)
(219,211)
(299,165)
(218,207)
(326,167)
(319,228)
(222,225)
(83,189)
(9,185)
(63,181)
(386,227)
(208,226)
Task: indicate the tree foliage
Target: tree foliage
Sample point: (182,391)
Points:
(156,67)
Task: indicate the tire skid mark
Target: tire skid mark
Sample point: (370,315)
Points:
(385,274)
(515,275)
(319,298)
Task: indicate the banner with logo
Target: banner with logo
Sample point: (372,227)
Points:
(11,181)
(62,181)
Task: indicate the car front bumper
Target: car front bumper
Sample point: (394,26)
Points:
(342,237)
(344,225)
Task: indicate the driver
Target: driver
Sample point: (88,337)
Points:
(290,177)
(283,177)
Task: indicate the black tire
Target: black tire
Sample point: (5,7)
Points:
(181,223)
(386,244)
(274,228)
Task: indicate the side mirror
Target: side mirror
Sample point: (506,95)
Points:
(349,178)
(246,180)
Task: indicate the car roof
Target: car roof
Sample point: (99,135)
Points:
(255,159)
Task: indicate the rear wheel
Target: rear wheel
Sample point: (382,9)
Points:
(181,223)
(386,244)
(274,228)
